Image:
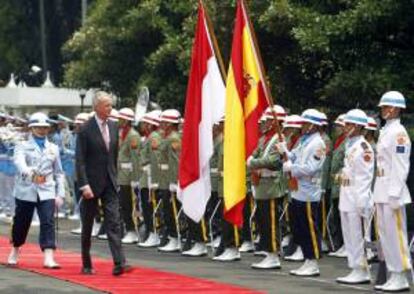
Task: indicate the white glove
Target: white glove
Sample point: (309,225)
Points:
(59,201)
(173,187)
(249,160)
(281,147)
(394,202)
(287,166)
(154,186)
(134,184)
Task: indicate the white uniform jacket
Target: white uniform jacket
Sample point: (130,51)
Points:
(31,161)
(393,163)
(356,176)
(308,158)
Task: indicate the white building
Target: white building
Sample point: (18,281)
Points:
(20,99)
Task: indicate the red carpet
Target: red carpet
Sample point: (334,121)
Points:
(140,280)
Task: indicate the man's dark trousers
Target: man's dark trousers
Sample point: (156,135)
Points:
(112,223)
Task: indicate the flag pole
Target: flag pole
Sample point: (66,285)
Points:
(214,41)
(266,87)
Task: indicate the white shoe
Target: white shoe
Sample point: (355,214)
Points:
(130,238)
(246,247)
(286,241)
(215,243)
(230,254)
(356,276)
(296,256)
(77,231)
(172,246)
(13,256)
(397,283)
(199,249)
(309,269)
(152,241)
(61,215)
(8,219)
(341,253)
(75,216)
(271,261)
(260,253)
(49,261)
(103,237)
(95,229)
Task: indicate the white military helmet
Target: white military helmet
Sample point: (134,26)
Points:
(91,114)
(126,114)
(278,110)
(325,119)
(340,120)
(262,118)
(357,117)
(39,119)
(293,121)
(392,98)
(152,117)
(171,116)
(114,115)
(81,118)
(312,116)
(371,124)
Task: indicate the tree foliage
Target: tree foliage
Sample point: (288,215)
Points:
(330,53)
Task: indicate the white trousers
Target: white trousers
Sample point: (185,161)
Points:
(392,228)
(352,232)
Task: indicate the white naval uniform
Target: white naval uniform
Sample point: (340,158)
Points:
(355,198)
(393,163)
(30,159)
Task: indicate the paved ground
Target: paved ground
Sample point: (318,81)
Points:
(239,273)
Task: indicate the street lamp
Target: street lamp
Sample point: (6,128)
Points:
(82,95)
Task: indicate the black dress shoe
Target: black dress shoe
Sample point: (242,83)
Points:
(87,271)
(121,269)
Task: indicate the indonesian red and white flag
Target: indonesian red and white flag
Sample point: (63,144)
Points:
(205,104)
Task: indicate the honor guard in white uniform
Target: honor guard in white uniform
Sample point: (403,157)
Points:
(355,198)
(391,192)
(305,165)
(40,185)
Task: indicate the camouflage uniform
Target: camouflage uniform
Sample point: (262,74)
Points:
(337,163)
(128,171)
(270,186)
(168,175)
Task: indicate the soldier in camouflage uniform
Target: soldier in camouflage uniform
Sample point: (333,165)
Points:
(325,184)
(148,181)
(169,153)
(229,240)
(266,163)
(337,163)
(198,232)
(128,171)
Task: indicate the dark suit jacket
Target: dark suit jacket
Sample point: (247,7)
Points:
(95,165)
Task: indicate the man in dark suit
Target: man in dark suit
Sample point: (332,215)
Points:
(96,161)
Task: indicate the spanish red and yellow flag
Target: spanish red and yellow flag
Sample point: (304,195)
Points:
(246,99)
